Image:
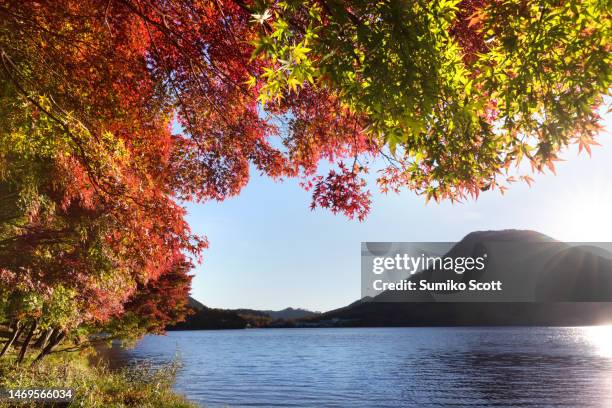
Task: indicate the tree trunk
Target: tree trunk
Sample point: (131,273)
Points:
(42,340)
(26,342)
(9,343)
(56,338)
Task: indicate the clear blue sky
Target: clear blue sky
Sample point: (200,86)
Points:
(269,251)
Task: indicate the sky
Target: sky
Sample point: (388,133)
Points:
(268,250)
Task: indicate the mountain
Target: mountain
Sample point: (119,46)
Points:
(571,285)
(205,318)
(566,286)
(194,304)
(285,314)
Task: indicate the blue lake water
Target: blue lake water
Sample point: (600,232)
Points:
(390,367)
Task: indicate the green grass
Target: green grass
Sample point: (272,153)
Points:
(95,385)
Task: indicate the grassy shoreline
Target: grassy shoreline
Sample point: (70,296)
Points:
(95,385)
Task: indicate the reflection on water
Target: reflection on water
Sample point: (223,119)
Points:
(389,367)
(600,337)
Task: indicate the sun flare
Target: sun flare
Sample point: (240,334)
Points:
(600,337)
(585,215)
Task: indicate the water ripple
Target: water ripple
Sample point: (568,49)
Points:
(388,367)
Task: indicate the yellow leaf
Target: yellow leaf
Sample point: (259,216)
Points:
(251,81)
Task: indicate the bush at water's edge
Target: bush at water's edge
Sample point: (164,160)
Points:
(96,386)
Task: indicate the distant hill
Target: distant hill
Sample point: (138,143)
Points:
(285,314)
(194,304)
(572,286)
(291,313)
(205,318)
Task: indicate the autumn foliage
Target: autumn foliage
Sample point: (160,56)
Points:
(455,94)
(114,112)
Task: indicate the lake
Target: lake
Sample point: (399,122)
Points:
(389,367)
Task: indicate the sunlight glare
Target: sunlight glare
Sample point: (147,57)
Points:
(584,214)
(600,337)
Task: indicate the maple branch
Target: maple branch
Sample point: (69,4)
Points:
(169,33)
(81,152)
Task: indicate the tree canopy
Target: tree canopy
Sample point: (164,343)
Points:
(114,112)
(455,91)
